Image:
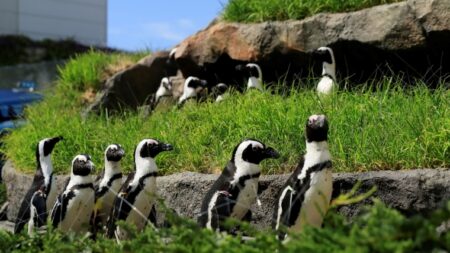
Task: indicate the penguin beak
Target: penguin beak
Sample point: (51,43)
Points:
(165,147)
(121,152)
(91,165)
(271,153)
(55,140)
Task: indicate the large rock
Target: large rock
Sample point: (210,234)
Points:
(132,87)
(411,192)
(411,37)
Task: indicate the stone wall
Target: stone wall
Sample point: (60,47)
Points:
(411,192)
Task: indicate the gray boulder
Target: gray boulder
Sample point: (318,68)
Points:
(132,87)
(406,37)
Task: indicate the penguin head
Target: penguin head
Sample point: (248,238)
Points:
(150,148)
(165,88)
(317,128)
(114,153)
(171,58)
(220,88)
(250,70)
(192,87)
(324,54)
(252,151)
(45,147)
(82,165)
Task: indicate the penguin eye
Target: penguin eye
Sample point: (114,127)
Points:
(255,149)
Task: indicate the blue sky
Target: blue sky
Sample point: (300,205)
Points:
(147,24)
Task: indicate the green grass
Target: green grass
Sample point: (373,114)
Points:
(366,233)
(90,69)
(276,10)
(386,128)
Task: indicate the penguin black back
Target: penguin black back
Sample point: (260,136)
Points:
(236,188)
(42,181)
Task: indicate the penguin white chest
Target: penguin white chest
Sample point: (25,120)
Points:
(79,210)
(247,196)
(317,200)
(325,85)
(51,197)
(106,202)
(143,204)
(254,82)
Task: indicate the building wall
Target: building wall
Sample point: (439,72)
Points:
(83,20)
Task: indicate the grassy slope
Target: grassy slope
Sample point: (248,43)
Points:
(271,10)
(387,128)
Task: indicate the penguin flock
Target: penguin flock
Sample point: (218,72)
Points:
(102,205)
(94,206)
(196,88)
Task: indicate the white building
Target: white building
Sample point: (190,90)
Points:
(83,20)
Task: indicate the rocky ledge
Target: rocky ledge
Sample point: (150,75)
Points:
(411,192)
(409,39)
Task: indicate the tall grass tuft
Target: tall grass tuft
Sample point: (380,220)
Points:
(276,10)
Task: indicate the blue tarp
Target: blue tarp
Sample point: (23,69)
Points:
(12,103)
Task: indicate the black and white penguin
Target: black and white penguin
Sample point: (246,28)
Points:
(253,73)
(327,83)
(218,92)
(108,184)
(74,206)
(191,89)
(236,188)
(135,203)
(171,59)
(43,188)
(164,90)
(305,197)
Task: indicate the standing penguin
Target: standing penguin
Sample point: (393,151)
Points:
(164,90)
(43,189)
(253,73)
(73,208)
(305,197)
(135,204)
(328,81)
(192,88)
(236,188)
(108,184)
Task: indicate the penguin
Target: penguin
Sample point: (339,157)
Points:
(38,217)
(43,188)
(305,197)
(192,88)
(74,206)
(236,189)
(253,74)
(108,184)
(171,59)
(135,203)
(327,83)
(218,92)
(164,90)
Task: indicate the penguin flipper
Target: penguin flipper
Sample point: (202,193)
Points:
(152,216)
(39,206)
(60,207)
(121,208)
(24,212)
(222,211)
